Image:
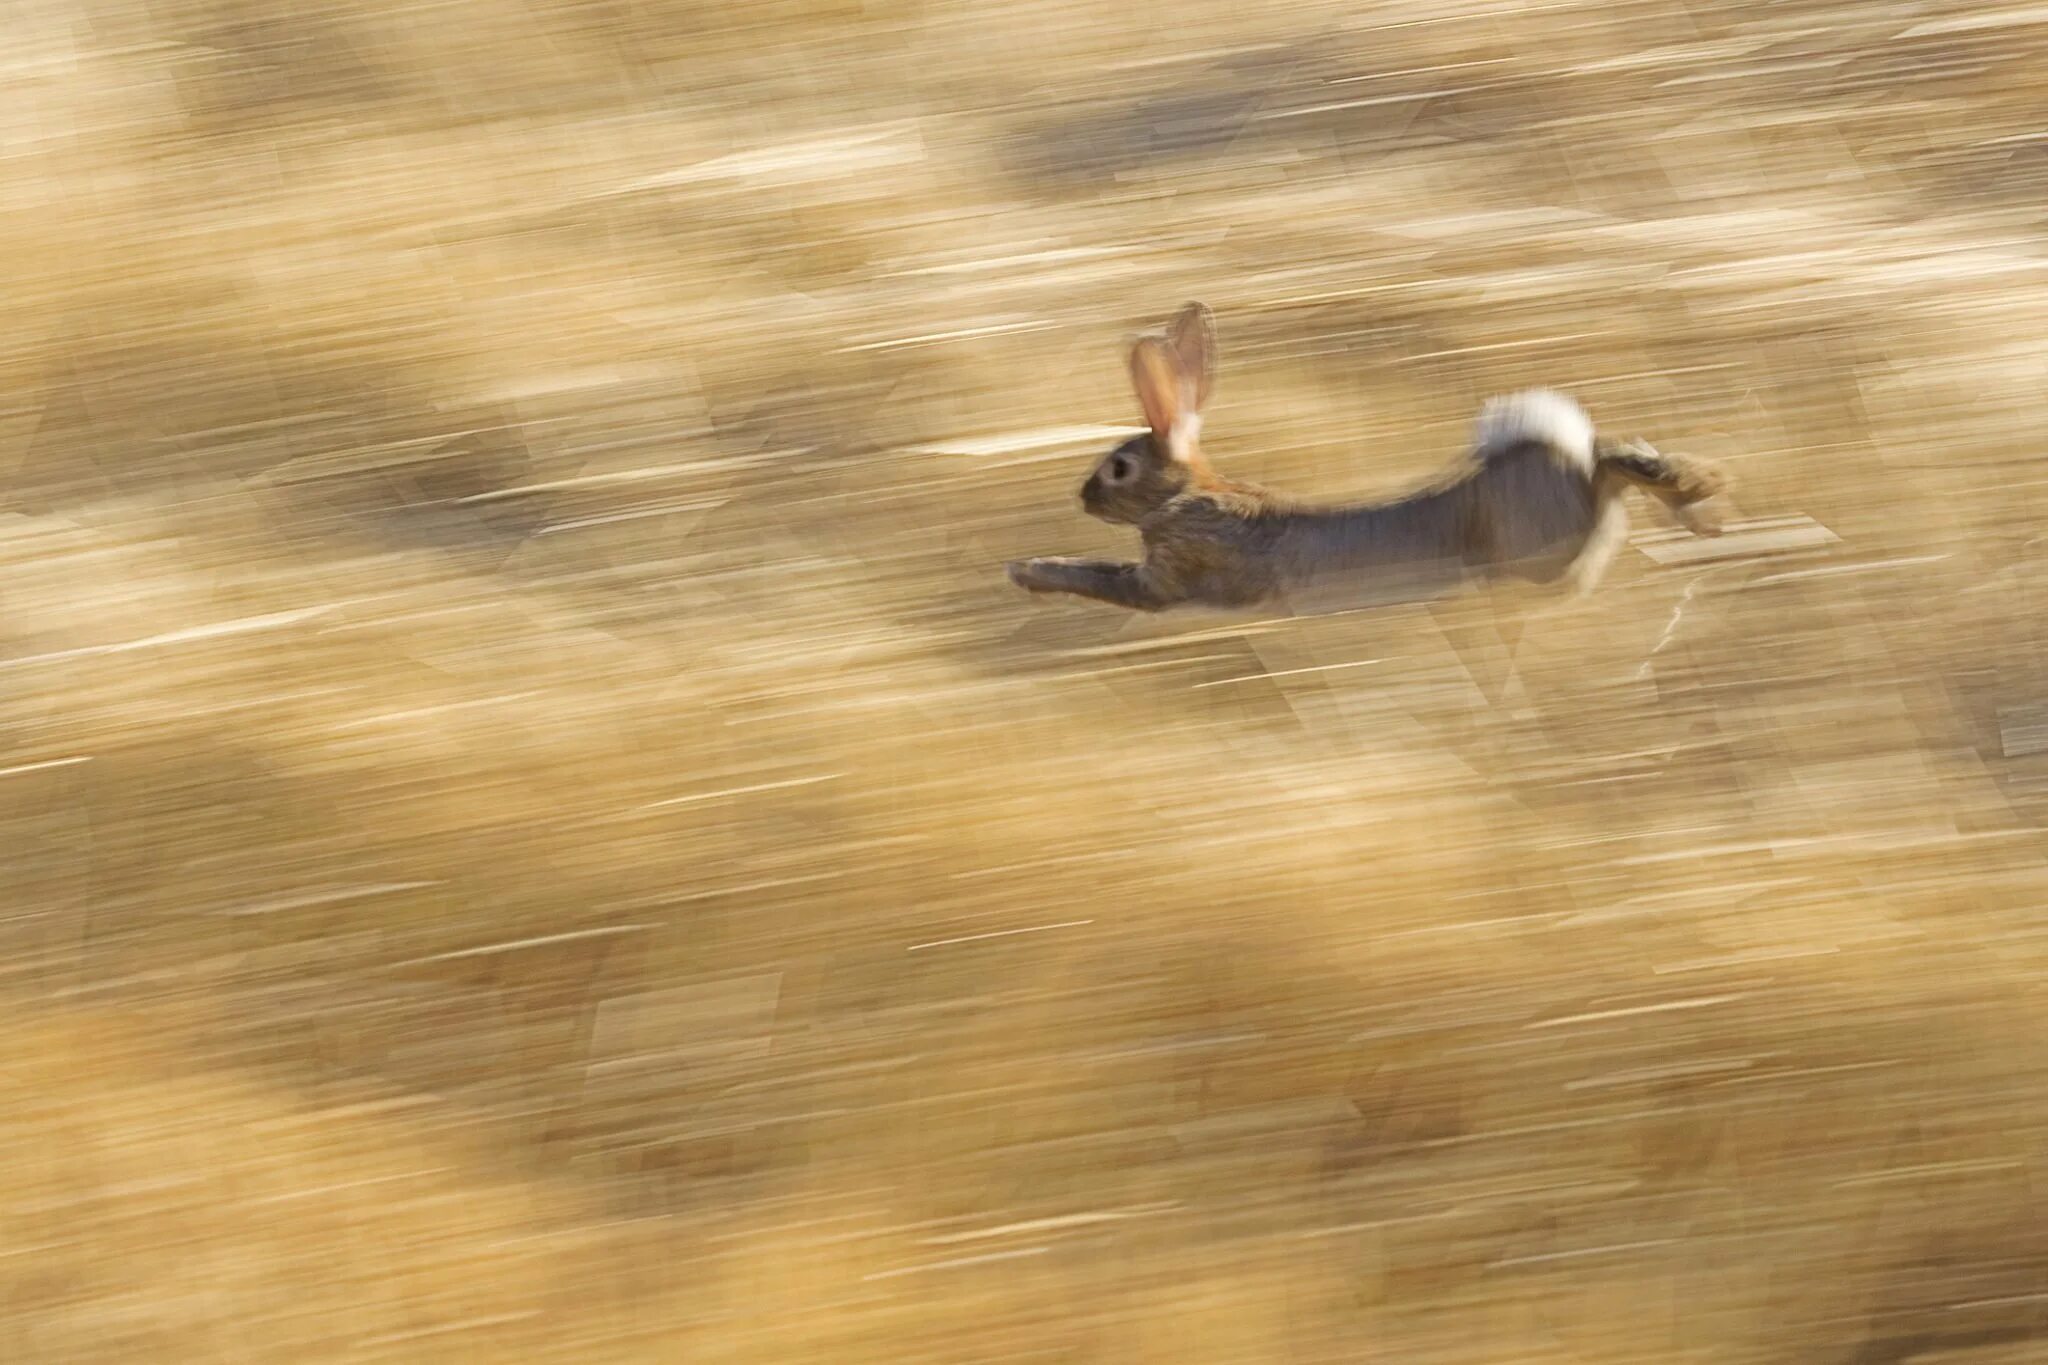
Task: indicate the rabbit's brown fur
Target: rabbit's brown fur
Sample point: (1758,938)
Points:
(1540,497)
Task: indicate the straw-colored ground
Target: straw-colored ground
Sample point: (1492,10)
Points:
(536,830)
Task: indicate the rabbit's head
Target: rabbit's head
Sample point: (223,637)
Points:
(1172,376)
(1133,481)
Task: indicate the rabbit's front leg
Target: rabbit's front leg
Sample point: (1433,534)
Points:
(1122,585)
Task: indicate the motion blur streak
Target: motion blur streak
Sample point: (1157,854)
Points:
(537,830)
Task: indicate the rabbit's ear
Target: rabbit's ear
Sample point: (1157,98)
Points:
(1155,374)
(1193,337)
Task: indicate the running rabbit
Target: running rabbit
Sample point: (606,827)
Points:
(1540,497)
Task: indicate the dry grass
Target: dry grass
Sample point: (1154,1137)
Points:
(538,831)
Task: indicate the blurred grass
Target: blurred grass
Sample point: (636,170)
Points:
(538,831)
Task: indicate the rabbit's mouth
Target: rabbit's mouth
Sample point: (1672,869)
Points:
(1095,508)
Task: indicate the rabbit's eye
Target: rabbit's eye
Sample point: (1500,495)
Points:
(1119,469)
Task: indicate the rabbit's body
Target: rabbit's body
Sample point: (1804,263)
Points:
(1541,497)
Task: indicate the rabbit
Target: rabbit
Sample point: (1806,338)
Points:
(1540,498)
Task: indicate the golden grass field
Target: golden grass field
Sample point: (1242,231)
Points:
(536,829)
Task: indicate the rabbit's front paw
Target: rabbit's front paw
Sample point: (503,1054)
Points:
(1024,573)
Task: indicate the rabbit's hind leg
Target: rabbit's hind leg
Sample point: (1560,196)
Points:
(1603,542)
(1685,484)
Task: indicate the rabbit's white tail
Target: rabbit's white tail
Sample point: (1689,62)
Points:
(1536,415)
